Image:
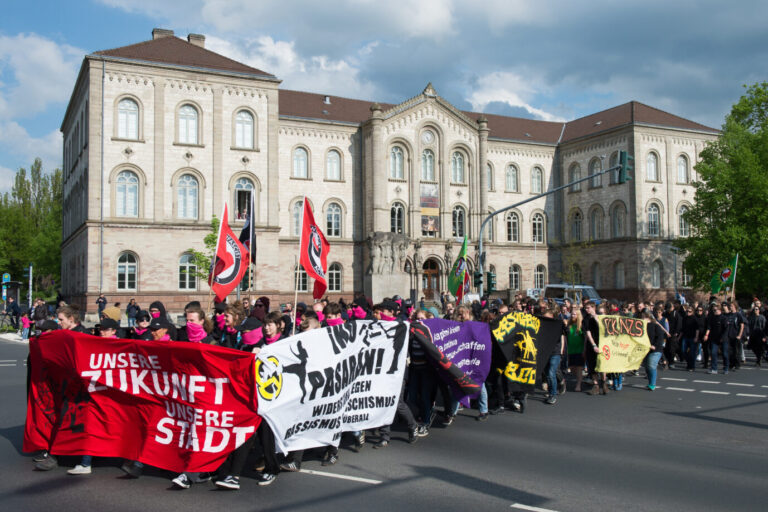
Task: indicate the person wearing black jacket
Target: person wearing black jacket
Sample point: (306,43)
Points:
(757,333)
(690,335)
(131,310)
(141,330)
(656,335)
(716,327)
(12,309)
(701,321)
(674,316)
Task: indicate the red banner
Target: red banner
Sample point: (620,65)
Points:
(173,405)
(314,252)
(230,263)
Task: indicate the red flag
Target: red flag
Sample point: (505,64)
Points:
(230,262)
(314,251)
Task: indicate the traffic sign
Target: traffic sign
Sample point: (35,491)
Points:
(6,277)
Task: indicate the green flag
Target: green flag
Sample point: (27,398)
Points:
(725,277)
(458,280)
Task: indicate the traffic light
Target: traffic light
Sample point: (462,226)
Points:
(478,279)
(26,272)
(491,277)
(627,164)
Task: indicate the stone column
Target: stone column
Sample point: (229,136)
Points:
(273,165)
(482,125)
(217,149)
(671,179)
(378,172)
(158,172)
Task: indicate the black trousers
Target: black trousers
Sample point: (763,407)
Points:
(403,411)
(236,460)
(267,440)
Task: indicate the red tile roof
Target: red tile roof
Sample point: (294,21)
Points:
(309,105)
(175,51)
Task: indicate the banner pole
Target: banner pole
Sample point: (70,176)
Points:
(211,277)
(252,255)
(297,263)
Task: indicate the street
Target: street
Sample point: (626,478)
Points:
(696,443)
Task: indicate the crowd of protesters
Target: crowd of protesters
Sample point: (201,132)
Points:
(679,334)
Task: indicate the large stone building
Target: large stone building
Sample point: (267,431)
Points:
(159,135)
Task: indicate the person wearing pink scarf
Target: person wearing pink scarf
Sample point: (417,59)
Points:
(141,330)
(198,326)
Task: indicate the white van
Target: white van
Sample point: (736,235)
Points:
(574,292)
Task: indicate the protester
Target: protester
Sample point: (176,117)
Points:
(131,310)
(656,336)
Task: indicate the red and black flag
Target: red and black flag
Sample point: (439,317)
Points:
(229,263)
(314,252)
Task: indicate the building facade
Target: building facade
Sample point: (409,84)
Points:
(159,135)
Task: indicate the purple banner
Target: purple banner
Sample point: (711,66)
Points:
(467,345)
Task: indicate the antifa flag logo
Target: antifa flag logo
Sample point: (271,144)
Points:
(315,252)
(725,274)
(225,276)
(269,378)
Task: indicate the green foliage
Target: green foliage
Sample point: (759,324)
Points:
(203,259)
(730,214)
(30,230)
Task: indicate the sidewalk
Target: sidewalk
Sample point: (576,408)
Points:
(13,337)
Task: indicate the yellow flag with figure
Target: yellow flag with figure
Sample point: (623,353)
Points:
(623,343)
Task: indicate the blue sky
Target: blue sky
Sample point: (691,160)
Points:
(554,60)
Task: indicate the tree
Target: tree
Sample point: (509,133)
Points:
(203,259)
(730,214)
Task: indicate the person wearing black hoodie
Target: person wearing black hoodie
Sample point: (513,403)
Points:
(156,310)
(141,330)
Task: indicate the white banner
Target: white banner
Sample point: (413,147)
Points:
(318,384)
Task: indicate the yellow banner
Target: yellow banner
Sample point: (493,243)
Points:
(623,343)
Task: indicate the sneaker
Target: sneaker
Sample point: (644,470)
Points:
(483,416)
(448,420)
(80,470)
(516,406)
(182,481)
(712,372)
(383,443)
(131,469)
(291,467)
(413,434)
(651,388)
(422,431)
(497,410)
(551,400)
(229,482)
(265,478)
(47,464)
(329,460)
(725,372)
(562,387)
(41,456)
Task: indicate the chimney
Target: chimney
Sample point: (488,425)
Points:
(197,40)
(159,33)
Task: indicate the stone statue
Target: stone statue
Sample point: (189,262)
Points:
(388,252)
(418,261)
(449,253)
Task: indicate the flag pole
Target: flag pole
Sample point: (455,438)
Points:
(251,255)
(213,259)
(733,285)
(298,262)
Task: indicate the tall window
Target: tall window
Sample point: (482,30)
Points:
(656,276)
(188,120)
(537,225)
(596,281)
(537,180)
(428,165)
(296,213)
(333,220)
(577,274)
(128,119)
(686,277)
(576,226)
(333,165)
(682,169)
(539,276)
(652,167)
(397,218)
(127,200)
(396,165)
(512,179)
(489,176)
(300,278)
(300,163)
(617,221)
(654,220)
(618,271)
(613,162)
(457,167)
(127,270)
(244,130)
(514,277)
(595,166)
(513,227)
(459,219)
(596,224)
(243,191)
(186,197)
(575,174)
(334,277)
(685,229)
(187,270)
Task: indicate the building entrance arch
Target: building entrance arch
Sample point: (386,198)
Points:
(430,279)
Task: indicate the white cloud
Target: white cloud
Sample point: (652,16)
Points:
(516,90)
(17,141)
(6,179)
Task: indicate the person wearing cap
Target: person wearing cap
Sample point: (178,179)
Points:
(48,326)
(109,328)
(157,310)
(141,330)
(252,333)
(160,328)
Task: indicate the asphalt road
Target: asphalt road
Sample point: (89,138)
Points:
(696,443)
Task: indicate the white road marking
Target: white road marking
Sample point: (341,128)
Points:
(342,477)
(707,381)
(715,392)
(532,509)
(681,389)
(676,380)
(751,396)
(764,386)
(7,360)
(739,384)
(7,364)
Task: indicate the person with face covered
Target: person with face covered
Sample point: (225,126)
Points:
(157,310)
(141,330)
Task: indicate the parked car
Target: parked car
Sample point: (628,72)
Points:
(574,292)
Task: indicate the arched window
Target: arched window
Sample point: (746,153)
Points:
(187,273)
(188,124)
(489,176)
(243,191)
(618,217)
(685,229)
(333,220)
(613,162)
(296,213)
(300,163)
(396,163)
(244,130)
(576,226)
(127,271)
(537,180)
(491,230)
(682,169)
(539,276)
(128,119)
(333,165)
(457,167)
(654,220)
(300,278)
(596,280)
(513,227)
(618,272)
(574,173)
(595,166)
(334,277)
(459,222)
(514,277)
(656,274)
(537,225)
(512,179)
(652,167)
(127,192)
(186,197)
(397,218)
(596,224)
(428,165)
